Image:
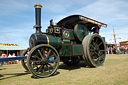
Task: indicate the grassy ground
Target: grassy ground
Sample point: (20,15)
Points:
(114,72)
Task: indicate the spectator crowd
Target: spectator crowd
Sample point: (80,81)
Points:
(8,62)
(117,50)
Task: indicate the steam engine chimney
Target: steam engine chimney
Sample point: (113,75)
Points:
(38,18)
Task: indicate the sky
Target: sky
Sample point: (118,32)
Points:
(17,17)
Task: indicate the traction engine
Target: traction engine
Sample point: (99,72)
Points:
(70,40)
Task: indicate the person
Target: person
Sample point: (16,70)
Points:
(111,50)
(118,50)
(107,50)
(6,62)
(9,62)
(9,55)
(127,50)
(114,49)
(3,56)
(96,29)
(14,61)
(1,62)
(122,48)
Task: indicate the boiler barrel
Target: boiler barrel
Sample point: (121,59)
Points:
(55,41)
(37,39)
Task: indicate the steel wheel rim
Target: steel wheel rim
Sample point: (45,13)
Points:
(94,56)
(40,64)
(96,50)
(24,61)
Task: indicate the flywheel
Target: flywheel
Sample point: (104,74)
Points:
(80,31)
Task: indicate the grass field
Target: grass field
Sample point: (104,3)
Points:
(113,72)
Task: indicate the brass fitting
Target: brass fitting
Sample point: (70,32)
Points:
(38,6)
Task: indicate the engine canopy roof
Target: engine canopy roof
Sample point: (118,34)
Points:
(71,21)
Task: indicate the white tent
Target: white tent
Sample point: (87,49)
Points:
(3,47)
(10,48)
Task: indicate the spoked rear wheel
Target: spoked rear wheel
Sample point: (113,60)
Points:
(43,60)
(94,50)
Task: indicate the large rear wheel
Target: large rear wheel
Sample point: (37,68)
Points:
(94,50)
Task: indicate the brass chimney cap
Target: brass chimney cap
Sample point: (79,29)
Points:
(38,6)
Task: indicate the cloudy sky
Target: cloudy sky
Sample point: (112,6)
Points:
(17,17)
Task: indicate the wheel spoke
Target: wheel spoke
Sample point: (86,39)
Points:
(91,50)
(40,68)
(44,53)
(92,46)
(51,67)
(94,57)
(37,57)
(96,40)
(36,68)
(34,65)
(100,58)
(49,53)
(100,44)
(43,69)
(93,43)
(35,61)
(97,54)
(48,68)
(92,54)
(41,54)
(52,61)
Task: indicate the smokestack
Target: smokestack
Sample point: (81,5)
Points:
(38,18)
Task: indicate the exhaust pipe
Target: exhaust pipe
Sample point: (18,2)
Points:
(38,18)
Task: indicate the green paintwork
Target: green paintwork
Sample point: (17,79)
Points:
(65,51)
(80,31)
(77,49)
(65,41)
(71,50)
(68,34)
(55,41)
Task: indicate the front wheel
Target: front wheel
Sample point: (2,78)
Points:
(43,60)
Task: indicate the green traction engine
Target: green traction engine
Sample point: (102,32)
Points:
(71,40)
